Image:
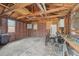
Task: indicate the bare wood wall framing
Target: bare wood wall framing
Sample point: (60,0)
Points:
(40,31)
(43,26)
(20,30)
(3,25)
(67,24)
(41,14)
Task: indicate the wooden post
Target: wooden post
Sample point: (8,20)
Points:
(67,24)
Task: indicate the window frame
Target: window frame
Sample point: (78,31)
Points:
(14,29)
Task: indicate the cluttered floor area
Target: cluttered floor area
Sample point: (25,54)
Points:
(32,46)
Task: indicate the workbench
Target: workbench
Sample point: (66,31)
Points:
(72,42)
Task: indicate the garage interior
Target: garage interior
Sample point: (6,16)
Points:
(39,29)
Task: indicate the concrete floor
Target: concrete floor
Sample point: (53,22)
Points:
(34,46)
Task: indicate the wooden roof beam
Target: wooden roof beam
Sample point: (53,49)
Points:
(4,6)
(38,18)
(51,11)
(56,9)
(13,8)
(41,8)
(75,8)
(53,16)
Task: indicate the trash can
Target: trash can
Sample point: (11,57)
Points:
(4,38)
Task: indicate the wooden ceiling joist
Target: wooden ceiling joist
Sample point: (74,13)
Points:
(49,11)
(38,18)
(21,12)
(22,5)
(75,8)
(41,8)
(15,7)
(53,16)
(56,9)
(4,6)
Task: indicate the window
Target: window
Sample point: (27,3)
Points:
(35,26)
(53,29)
(11,25)
(61,23)
(32,26)
(29,26)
